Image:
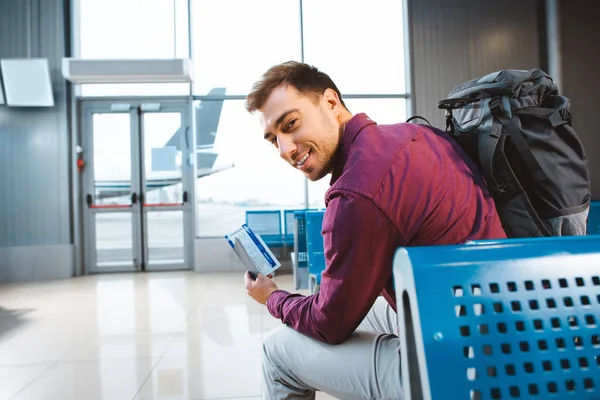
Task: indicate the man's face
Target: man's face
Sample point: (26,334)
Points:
(307,133)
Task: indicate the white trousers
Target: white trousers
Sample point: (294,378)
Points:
(366,366)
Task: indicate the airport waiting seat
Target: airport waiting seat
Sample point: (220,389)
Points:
(289,224)
(267,224)
(314,248)
(510,319)
(300,260)
(300,256)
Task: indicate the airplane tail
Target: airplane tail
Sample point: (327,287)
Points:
(208,114)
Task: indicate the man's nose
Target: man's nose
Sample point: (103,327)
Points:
(287,147)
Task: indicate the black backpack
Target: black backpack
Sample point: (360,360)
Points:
(517,128)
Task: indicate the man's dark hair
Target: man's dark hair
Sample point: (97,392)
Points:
(306,79)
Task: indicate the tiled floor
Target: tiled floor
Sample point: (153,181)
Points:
(148,336)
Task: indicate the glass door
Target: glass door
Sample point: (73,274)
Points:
(164,197)
(137,162)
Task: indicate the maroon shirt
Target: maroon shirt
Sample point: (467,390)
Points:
(392,185)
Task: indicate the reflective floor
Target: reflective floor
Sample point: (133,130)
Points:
(133,336)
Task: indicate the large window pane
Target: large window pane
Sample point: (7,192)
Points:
(128,28)
(382,111)
(361,47)
(133,29)
(259,178)
(182,29)
(236,41)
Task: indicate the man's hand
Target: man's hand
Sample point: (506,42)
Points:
(261,288)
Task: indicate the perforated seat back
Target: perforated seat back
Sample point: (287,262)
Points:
(501,321)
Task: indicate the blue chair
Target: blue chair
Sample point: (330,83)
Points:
(314,248)
(267,224)
(289,223)
(594,218)
(503,320)
(300,260)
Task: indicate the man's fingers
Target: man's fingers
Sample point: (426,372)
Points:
(247,280)
(270,276)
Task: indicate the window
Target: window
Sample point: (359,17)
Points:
(361,47)
(382,111)
(236,41)
(133,29)
(130,28)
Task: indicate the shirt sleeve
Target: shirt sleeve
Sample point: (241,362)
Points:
(359,242)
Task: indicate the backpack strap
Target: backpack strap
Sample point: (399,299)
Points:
(554,116)
(517,137)
(487,148)
(418,117)
(525,152)
(486,145)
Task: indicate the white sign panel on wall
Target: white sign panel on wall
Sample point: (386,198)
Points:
(1,92)
(27,82)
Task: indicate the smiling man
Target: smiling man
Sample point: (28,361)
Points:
(391,186)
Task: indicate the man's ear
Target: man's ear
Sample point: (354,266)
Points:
(332,99)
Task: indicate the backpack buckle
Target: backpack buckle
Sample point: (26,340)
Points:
(501,188)
(498,190)
(449,125)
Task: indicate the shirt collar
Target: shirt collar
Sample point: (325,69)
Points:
(352,129)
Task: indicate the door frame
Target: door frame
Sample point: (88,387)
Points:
(87,107)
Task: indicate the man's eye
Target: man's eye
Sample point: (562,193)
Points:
(291,124)
(273,140)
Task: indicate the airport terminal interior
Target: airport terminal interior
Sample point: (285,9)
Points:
(128,159)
